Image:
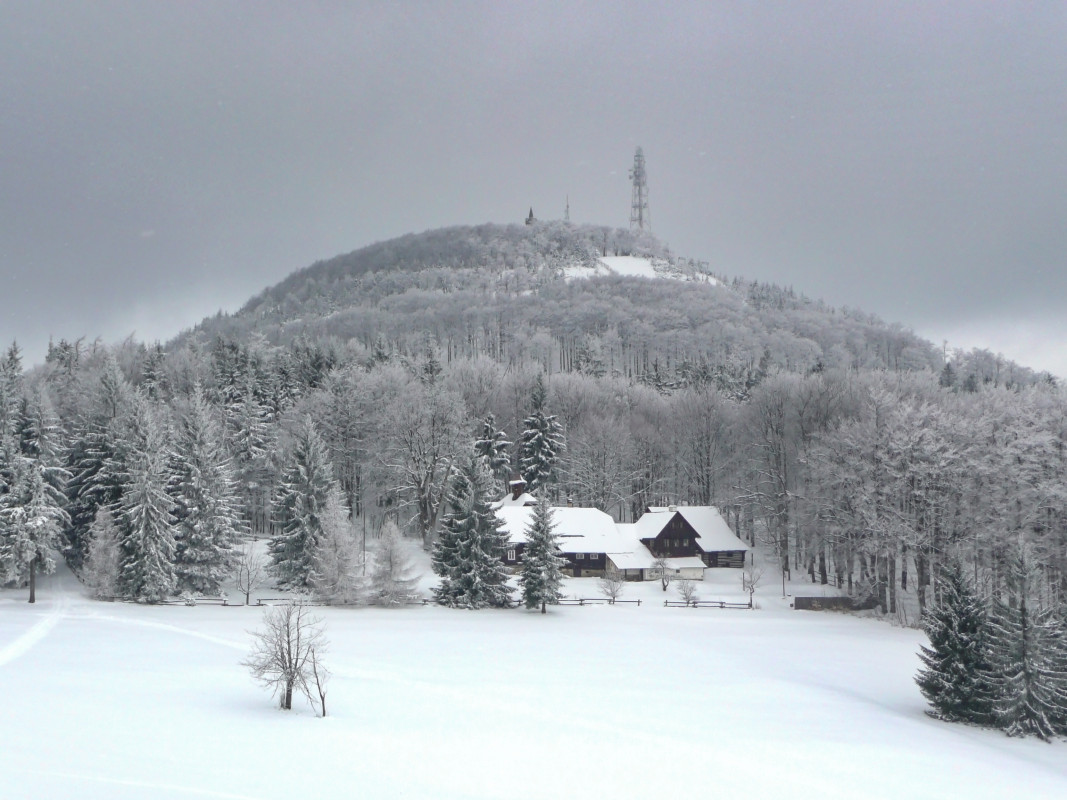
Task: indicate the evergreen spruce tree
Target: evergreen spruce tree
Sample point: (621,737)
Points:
(252,443)
(299,510)
(146,509)
(10,402)
(542,441)
(541,576)
(32,514)
(336,565)
(103,563)
(1029,661)
(10,389)
(95,461)
(955,677)
(153,377)
(207,508)
(468,555)
(492,447)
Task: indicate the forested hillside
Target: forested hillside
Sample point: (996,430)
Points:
(349,394)
(502,292)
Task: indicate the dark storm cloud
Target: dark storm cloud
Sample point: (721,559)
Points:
(160,160)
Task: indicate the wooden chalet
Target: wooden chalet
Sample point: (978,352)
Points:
(684,540)
(688,532)
(585,535)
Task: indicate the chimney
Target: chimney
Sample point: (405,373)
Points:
(570,503)
(518,486)
(672,508)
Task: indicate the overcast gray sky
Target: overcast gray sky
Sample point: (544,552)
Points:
(159,161)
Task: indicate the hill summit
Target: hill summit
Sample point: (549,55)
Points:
(572,298)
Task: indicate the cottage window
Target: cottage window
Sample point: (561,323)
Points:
(511,555)
(685,543)
(579,556)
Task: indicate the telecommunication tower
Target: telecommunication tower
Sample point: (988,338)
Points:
(640,218)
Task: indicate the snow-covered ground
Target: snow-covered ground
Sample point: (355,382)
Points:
(634,266)
(118,701)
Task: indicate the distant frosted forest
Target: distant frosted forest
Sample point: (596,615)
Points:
(861,455)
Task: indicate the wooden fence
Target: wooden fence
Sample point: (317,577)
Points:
(705,604)
(823,604)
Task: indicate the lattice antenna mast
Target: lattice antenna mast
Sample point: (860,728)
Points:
(640,218)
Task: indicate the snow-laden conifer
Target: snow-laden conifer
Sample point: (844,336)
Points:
(146,509)
(299,510)
(207,508)
(32,514)
(541,576)
(250,434)
(336,565)
(468,555)
(392,579)
(492,447)
(10,389)
(1029,660)
(100,572)
(542,441)
(31,522)
(95,460)
(955,674)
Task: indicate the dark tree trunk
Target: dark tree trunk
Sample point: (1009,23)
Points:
(287,697)
(904,567)
(921,580)
(543,609)
(33,579)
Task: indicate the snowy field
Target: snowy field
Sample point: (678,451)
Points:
(116,701)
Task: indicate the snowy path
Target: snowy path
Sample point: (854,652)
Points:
(25,642)
(162,626)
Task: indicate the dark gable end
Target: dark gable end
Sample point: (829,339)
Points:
(676,539)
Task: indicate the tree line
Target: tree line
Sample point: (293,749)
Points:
(864,479)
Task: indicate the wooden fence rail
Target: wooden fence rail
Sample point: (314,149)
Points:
(704,604)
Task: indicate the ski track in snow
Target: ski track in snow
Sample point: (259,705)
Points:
(170,628)
(181,791)
(24,643)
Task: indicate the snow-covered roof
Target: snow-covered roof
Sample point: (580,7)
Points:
(685,562)
(638,558)
(713,534)
(524,499)
(578,530)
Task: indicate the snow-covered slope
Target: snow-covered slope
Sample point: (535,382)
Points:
(124,701)
(635,267)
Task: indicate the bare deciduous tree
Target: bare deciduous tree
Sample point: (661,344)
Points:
(663,570)
(687,590)
(612,586)
(321,676)
(285,654)
(250,571)
(751,576)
